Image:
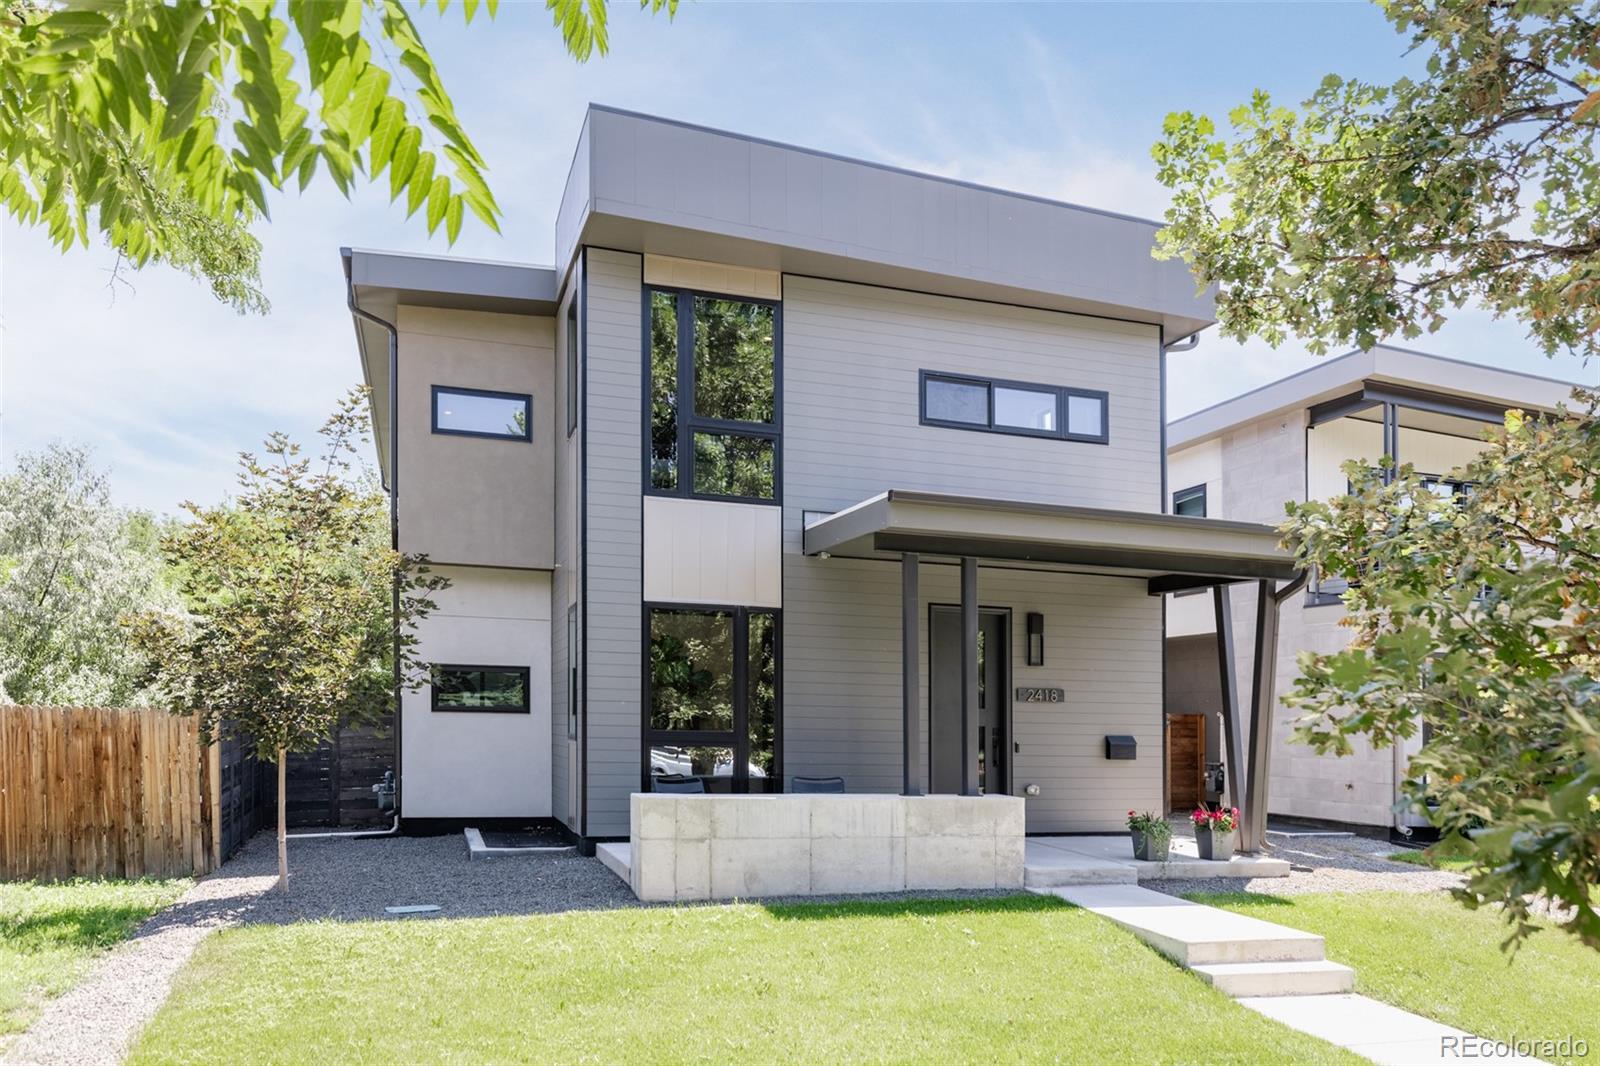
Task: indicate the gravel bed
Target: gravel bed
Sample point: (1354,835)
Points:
(1323,864)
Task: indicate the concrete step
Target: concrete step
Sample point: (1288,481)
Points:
(1049,867)
(1192,934)
(617,858)
(1309,978)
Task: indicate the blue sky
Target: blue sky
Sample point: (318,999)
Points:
(1060,100)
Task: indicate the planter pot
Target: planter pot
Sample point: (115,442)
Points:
(1215,844)
(1147,849)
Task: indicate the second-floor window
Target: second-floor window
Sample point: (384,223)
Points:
(1059,411)
(1190,502)
(482,413)
(713,388)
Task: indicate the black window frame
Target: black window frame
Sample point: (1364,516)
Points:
(527,688)
(526,436)
(689,422)
(573,356)
(1061,392)
(738,736)
(1192,492)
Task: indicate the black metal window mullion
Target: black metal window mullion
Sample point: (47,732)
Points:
(686,412)
(741,700)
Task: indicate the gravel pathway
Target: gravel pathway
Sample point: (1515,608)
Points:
(1324,864)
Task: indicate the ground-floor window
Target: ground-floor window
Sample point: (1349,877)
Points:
(711,700)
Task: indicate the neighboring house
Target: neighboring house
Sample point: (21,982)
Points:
(1244,459)
(772,418)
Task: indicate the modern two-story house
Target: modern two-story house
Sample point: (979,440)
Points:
(1243,459)
(791,467)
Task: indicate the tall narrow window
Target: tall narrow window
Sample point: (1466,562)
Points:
(572,671)
(663,391)
(713,396)
(711,702)
(572,364)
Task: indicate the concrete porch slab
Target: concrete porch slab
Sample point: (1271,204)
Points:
(617,858)
(1183,859)
(1050,867)
(1384,1034)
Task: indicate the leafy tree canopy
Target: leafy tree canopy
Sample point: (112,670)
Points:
(1477,619)
(72,565)
(1372,210)
(162,125)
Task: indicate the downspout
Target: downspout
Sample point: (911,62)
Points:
(394,517)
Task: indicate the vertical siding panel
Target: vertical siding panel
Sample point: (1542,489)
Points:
(614,465)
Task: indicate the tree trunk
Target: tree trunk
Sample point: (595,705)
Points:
(283,824)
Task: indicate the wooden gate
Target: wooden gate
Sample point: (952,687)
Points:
(1186,761)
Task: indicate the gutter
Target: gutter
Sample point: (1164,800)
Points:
(394,506)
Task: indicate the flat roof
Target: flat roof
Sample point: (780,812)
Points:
(380,281)
(1385,365)
(646,184)
(1127,543)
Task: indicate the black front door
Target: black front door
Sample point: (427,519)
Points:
(944,700)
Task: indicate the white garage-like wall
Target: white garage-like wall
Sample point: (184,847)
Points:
(457,764)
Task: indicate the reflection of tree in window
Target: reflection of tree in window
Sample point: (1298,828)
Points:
(728,465)
(691,670)
(733,360)
(763,691)
(664,390)
(519,424)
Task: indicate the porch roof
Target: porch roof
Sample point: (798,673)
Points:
(1173,551)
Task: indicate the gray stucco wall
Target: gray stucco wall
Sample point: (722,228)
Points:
(613,467)
(1192,685)
(506,487)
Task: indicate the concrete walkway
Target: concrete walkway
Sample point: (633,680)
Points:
(1279,972)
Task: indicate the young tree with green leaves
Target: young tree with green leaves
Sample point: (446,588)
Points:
(72,565)
(1375,210)
(298,607)
(161,124)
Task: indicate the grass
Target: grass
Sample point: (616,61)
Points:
(1414,857)
(1429,955)
(49,933)
(1018,979)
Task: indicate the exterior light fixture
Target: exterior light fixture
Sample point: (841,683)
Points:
(1035,638)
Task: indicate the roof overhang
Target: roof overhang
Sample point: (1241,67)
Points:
(653,186)
(1444,395)
(1172,552)
(380,282)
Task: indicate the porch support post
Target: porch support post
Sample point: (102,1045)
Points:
(1263,703)
(911,742)
(1391,440)
(1227,674)
(969,676)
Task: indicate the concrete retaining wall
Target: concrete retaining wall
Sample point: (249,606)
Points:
(723,847)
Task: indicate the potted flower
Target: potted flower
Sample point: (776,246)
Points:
(1152,836)
(1213,832)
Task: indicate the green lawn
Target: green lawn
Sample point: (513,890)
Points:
(1414,857)
(50,933)
(1021,979)
(1432,956)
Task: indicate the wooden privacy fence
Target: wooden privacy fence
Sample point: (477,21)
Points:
(101,792)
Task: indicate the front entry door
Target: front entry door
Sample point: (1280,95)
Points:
(944,702)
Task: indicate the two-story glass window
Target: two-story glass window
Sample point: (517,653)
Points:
(1060,411)
(713,373)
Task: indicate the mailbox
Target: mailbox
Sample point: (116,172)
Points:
(1121,747)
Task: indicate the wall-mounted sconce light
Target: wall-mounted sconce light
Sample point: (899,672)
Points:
(1035,638)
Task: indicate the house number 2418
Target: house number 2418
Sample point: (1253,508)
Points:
(1041,695)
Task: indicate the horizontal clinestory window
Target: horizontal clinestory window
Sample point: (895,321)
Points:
(1190,502)
(712,371)
(482,413)
(989,405)
(494,689)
